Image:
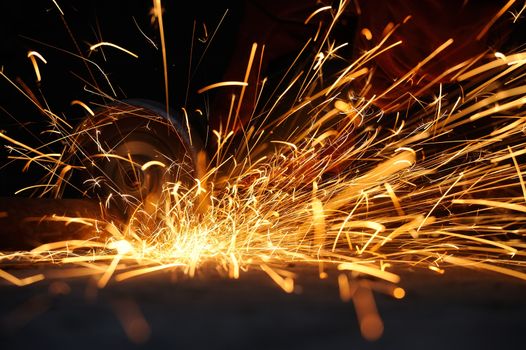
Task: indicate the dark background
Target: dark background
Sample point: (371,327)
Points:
(39,26)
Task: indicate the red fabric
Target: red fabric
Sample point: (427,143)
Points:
(432,23)
(278,25)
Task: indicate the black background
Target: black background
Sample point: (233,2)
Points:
(38,25)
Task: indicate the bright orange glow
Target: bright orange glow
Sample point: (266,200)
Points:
(399,293)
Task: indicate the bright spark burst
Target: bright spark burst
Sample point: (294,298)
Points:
(330,182)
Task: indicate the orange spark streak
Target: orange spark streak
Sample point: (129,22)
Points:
(20,282)
(105,43)
(345,288)
(245,80)
(492,21)
(132,320)
(31,55)
(83,105)
(287,283)
(158,11)
(371,325)
(152,163)
(103,281)
(468,263)
(146,270)
(312,15)
(43,155)
(221,84)
(369,270)
(491,203)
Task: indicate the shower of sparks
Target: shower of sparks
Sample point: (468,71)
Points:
(331,183)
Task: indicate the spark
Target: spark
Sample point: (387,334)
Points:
(187,122)
(29,148)
(316,12)
(466,262)
(146,270)
(439,200)
(105,43)
(158,14)
(367,33)
(370,270)
(243,88)
(221,84)
(31,55)
(58,7)
(20,281)
(371,325)
(152,163)
(345,288)
(399,293)
(143,34)
(495,18)
(518,13)
(490,203)
(32,187)
(286,283)
(83,105)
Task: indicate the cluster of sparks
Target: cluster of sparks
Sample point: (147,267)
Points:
(332,182)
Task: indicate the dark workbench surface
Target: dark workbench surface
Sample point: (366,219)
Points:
(461,309)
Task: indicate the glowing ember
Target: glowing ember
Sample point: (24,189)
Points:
(415,190)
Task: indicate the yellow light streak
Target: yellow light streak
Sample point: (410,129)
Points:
(370,270)
(31,55)
(345,287)
(83,105)
(18,143)
(494,19)
(317,11)
(491,203)
(144,271)
(371,325)
(58,7)
(367,33)
(468,263)
(399,293)
(287,283)
(105,43)
(158,14)
(20,282)
(151,163)
(221,84)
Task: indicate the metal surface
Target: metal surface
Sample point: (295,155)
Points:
(117,142)
(461,309)
(166,310)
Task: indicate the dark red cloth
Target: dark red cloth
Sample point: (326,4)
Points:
(432,23)
(279,26)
